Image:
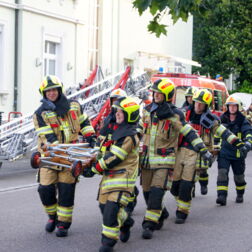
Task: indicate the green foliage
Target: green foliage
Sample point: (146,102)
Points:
(222,41)
(246,87)
(178,9)
(157,28)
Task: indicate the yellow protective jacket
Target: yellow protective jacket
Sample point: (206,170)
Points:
(161,128)
(120,160)
(53,129)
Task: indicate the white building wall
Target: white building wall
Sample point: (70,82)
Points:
(39,20)
(6,58)
(33,48)
(121,33)
(125,32)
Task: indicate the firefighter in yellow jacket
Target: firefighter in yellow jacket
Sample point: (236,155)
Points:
(58,120)
(106,132)
(162,124)
(188,162)
(119,167)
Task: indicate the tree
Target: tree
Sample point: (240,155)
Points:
(223,40)
(176,8)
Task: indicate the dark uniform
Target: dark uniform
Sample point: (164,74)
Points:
(59,122)
(230,156)
(188,162)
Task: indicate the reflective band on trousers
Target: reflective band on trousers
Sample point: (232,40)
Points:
(186,129)
(162,160)
(44,130)
(119,152)
(111,232)
(153,216)
(240,187)
(203,179)
(220,130)
(51,209)
(184,205)
(65,212)
(222,188)
(123,182)
(87,129)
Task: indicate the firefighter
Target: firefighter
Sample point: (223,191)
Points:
(106,133)
(188,96)
(161,128)
(58,120)
(119,167)
(187,160)
(237,123)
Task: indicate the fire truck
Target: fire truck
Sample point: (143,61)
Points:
(183,81)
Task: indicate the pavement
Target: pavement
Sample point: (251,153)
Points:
(208,228)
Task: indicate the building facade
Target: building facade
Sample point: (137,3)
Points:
(68,38)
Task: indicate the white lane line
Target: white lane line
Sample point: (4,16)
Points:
(16,188)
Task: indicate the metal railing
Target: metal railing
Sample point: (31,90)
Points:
(18,137)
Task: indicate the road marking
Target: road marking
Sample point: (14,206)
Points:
(16,188)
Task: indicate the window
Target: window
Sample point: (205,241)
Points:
(218,102)
(50,58)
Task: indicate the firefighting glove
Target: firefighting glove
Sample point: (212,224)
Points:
(207,157)
(243,150)
(88,173)
(91,140)
(248,145)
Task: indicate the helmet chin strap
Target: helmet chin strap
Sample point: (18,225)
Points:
(233,113)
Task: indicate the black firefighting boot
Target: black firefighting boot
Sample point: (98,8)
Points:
(163,217)
(125,229)
(203,189)
(62,229)
(222,200)
(148,229)
(107,244)
(105,248)
(51,223)
(239,198)
(180,217)
(147,233)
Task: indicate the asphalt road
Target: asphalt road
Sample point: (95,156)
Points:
(208,228)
